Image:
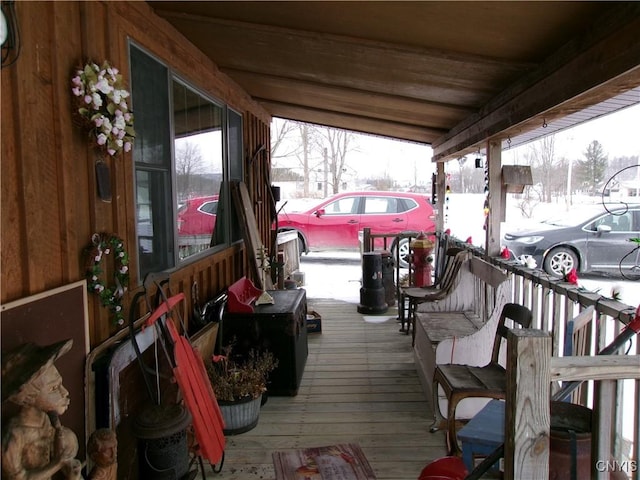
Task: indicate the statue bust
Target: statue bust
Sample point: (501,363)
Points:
(102,449)
(35,445)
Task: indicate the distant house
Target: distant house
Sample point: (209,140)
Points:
(630,188)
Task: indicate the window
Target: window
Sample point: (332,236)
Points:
(380,205)
(209,208)
(340,207)
(188,146)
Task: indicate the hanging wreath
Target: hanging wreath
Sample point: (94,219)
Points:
(103,244)
(102,106)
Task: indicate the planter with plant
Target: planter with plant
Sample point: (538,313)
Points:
(239,383)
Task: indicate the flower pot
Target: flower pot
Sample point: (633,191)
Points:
(240,416)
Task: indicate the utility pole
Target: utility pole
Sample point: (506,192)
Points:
(569,181)
(326,172)
(569,196)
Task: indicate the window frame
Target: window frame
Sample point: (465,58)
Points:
(232,169)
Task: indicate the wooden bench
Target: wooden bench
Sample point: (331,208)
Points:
(461,327)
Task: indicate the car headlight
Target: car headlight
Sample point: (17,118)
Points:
(529,240)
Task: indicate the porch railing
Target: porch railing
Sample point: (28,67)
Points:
(615,402)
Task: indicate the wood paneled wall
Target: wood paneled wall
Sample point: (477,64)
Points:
(50,206)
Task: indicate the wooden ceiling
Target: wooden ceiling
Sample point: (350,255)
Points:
(450,74)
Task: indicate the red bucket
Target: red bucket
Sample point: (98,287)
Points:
(445,468)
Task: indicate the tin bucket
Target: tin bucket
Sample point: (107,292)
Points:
(570,441)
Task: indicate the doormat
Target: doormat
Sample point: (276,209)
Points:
(334,462)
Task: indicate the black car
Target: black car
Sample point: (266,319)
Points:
(592,240)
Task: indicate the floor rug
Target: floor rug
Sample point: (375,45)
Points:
(334,462)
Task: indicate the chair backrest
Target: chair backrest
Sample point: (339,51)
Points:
(577,342)
(577,334)
(519,316)
(441,255)
(454,258)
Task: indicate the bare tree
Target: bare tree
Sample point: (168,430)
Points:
(529,200)
(339,143)
(189,164)
(461,162)
(318,149)
(282,144)
(541,156)
(304,155)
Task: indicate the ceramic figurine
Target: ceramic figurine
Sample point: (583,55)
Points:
(35,446)
(101,449)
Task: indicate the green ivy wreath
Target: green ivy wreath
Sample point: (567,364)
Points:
(102,244)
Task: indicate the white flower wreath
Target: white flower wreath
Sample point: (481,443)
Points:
(102,105)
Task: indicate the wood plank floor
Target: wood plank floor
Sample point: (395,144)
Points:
(359,386)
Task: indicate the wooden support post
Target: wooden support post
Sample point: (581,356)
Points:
(366,240)
(527,417)
(496,200)
(441,187)
(604,408)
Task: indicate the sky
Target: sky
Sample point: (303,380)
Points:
(618,133)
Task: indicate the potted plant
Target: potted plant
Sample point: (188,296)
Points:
(239,383)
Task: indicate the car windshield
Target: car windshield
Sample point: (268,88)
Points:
(576,217)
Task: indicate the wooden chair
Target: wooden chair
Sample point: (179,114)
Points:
(577,342)
(465,381)
(441,257)
(416,295)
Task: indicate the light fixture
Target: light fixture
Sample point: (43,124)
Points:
(4,30)
(478,159)
(9,33)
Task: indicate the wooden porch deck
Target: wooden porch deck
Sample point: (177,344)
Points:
(359,386)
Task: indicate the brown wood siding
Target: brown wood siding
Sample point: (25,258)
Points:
(50,206)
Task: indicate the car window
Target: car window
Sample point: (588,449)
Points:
(576,218)
(375,205)
(603,220)
(209,207)
(622,223)
(341,207)
(406,204)
(616,221)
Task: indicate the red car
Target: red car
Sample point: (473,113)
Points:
(197,216)
(335,223)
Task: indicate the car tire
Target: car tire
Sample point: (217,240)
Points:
(559,261)
(405,252)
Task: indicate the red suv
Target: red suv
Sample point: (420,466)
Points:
(335,223)
(197,216)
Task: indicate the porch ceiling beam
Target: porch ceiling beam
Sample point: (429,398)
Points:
(366,125)
(351,101)
(602,63)
(339,60)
